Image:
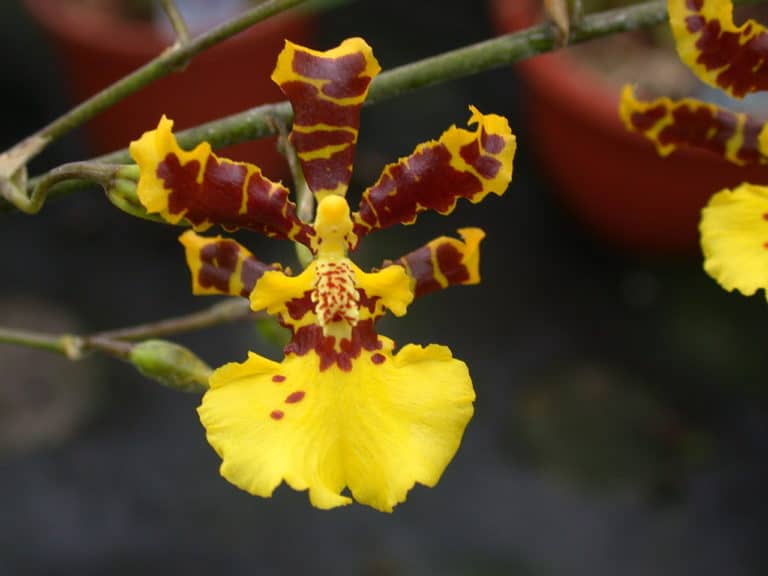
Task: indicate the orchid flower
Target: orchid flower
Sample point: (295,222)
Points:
(342,410)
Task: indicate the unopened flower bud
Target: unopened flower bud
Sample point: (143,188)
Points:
(170,364)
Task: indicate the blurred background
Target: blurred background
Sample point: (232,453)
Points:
(620,425)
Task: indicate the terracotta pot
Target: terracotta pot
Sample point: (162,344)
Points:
(611,179)
(96,48)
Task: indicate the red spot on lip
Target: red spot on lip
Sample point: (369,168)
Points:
(276,414)
(765,216)
(278,378)
(294,397)
(311,337)
(378,358)
(765,245)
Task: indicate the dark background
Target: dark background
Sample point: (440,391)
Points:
(620,425)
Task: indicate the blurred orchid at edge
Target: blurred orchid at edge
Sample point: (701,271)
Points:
(734,224)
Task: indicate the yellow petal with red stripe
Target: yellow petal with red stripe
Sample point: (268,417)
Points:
(462,164)
(734,238)
(391,421)
(673,124)
(720,53)
(221,266)
(205,190)
(327,90)
(445,262)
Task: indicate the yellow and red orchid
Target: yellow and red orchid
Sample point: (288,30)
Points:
(342,410)
(734,224)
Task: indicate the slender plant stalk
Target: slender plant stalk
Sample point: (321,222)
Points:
(222,312)
(68,345)
(117,342)
(175,57)
(49,342)
(305,200)
(177,21)
(89,172)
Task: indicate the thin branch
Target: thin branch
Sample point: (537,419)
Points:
(68,345)
(177,21)
(305,201)
(220,313)
(255,123)
(92,172)
(116,342)
(170,60)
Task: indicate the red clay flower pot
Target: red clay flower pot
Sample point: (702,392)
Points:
(96,48)
(611,179)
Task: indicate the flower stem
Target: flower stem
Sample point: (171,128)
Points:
(175,57)
(117,342)
(85,172)
(177,21)
(226,311)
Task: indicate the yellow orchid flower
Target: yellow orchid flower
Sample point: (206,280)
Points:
(342,410)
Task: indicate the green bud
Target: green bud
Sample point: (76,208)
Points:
(170,364)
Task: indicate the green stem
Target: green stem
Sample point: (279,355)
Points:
(37,340)
(226,311)
(92,172)
(161,66)
(177,21)
(73,347)
(255,123)
(172,59)
(115,342)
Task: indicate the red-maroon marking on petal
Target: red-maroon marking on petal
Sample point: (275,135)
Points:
(325,68)
(276,414)
(694,23)
(749,151)
(294,397)
(328,173)
(252,270)
(449,259)
(378,358)
(701,128)
(218,263)
(278,378)
(423,181)
(645,120)
(308,141)
(310,338)
(219,197)
(367,301)
(320,111)
(298,307)
(765,216)
(419,264)
(492,143)
(737,64)
(487,166)
(765,245)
